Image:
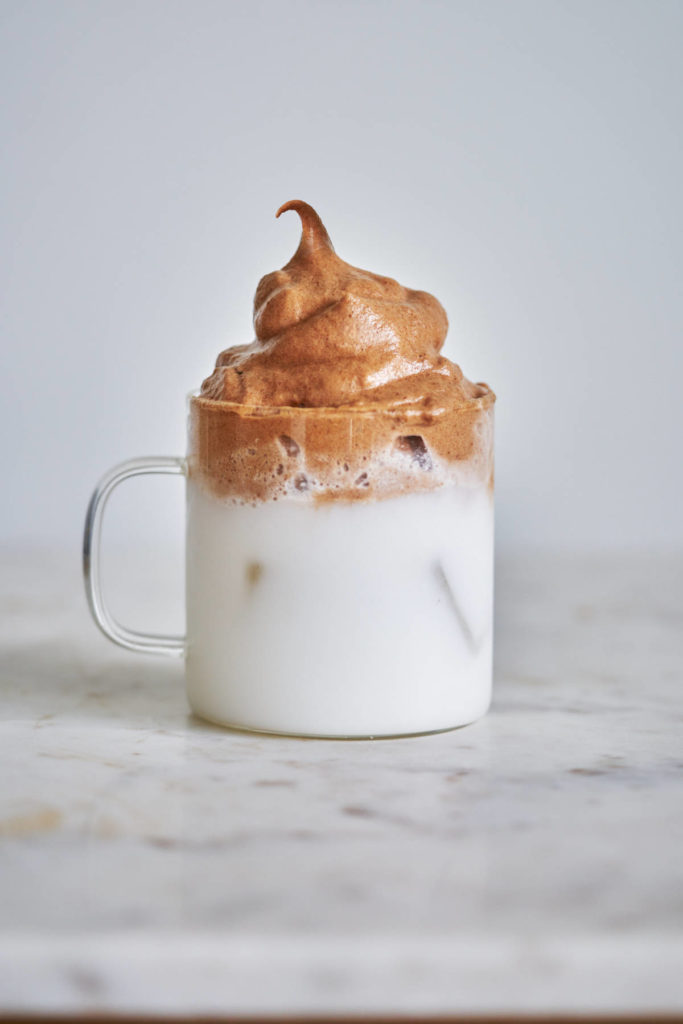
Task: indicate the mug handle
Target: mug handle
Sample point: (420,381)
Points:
(149,643)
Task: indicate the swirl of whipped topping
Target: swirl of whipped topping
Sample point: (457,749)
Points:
(343,396)
(329,335)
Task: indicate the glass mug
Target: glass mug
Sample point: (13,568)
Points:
(348,617)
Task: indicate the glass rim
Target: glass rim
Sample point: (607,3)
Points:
(482,402)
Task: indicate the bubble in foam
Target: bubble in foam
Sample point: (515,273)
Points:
(289,444)
(414,445)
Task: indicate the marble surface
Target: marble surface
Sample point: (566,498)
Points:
(152,863)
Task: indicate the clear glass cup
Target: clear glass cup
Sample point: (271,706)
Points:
(360,608)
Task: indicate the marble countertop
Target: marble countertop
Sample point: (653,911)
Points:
(532,862)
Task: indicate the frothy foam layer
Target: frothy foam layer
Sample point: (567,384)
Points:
(343,394)
(336,454)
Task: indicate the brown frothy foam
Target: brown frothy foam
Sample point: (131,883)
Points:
(343,395)
(337,454)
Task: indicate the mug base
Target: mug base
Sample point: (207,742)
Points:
(232,726)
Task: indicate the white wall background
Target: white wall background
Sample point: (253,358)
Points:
(521,159)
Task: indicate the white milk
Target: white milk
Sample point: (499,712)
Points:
(343,619)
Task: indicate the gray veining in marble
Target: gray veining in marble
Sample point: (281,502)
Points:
(532,861)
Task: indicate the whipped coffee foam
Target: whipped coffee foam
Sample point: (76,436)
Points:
(343,395)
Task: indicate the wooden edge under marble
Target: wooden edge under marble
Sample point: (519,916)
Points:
(643,1017)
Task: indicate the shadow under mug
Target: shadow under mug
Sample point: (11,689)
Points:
(349,619)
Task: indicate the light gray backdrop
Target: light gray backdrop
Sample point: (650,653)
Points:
(520,159)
